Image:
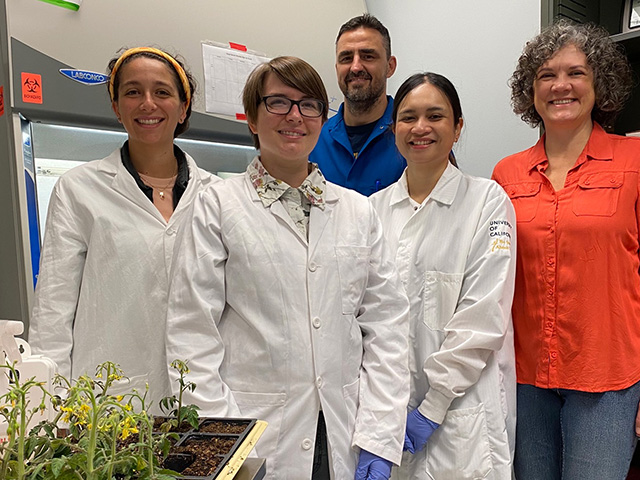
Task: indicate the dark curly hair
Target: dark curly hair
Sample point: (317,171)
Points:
(181,127)
(612,77)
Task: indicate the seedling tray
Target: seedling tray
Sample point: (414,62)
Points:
(219,439)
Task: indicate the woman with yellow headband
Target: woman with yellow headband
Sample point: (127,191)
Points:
(104,275)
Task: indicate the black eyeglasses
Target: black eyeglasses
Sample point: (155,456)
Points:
(309,107)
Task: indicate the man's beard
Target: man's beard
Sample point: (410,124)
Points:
(361,100)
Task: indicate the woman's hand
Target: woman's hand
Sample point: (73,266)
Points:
(419,429)
(638,422)
(372,467)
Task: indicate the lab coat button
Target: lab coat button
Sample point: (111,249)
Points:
(316,322)
(319,382)
(307,444)
(312,266)
(171,231)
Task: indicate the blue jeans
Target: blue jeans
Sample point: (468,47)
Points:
(572,435)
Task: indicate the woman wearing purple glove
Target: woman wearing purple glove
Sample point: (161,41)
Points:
(455,252)
(286,299)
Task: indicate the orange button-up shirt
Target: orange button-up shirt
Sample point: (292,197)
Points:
(576,310)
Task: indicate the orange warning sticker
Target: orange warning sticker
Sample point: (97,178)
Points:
(1,100)
(31,88)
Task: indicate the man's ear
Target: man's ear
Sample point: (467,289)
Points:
(392,64)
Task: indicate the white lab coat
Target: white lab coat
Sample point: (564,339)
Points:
(277,328)
(456,259)
(103,283)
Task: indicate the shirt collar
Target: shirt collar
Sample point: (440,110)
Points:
(444,192)
(598,147)
(384,120)
(270,189)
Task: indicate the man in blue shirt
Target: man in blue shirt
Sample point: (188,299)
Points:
(357,148)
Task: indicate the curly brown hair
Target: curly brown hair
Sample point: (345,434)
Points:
(612,77)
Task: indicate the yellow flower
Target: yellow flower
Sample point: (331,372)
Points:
(128,431)
(128,427)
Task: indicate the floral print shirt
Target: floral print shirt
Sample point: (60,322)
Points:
(297,201)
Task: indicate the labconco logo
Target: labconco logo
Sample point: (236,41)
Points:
(85,77)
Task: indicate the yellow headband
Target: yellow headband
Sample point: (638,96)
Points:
(160,53)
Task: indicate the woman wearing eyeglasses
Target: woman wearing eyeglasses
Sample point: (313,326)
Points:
(286,301)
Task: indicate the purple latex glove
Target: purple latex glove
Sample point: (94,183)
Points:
(372,467)
(419,429)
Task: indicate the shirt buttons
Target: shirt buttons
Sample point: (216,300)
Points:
(319,382)
(554,354)
(550,262)
(171,231)
(549,325)
(316,322)
(312,266)
(550,292)
(307,444)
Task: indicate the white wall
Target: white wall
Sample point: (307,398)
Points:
(476,44)
(87,39)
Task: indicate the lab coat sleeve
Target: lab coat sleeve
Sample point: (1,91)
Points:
(196,302)
(383,317)
(57,291)
(480,322)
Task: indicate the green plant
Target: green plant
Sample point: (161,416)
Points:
(173,407)
(108,436)
(17,413)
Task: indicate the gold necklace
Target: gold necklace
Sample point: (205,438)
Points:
(160,188)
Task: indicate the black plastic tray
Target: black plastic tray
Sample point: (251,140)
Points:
(237,437)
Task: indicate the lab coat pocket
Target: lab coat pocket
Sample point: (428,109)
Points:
(353,269)
(268,407)
(459,449)
(351,393)
(597,194)
(525,199)
(440,297)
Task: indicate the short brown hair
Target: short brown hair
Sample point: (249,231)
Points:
(367,20)
(293,72)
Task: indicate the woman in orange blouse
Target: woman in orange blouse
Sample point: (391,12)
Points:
(576,309)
